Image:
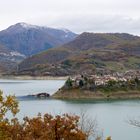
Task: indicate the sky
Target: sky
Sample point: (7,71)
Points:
(76,15)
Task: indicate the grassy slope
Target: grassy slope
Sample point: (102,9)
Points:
(86,94)
(118,52)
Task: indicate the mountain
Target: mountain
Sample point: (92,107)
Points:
(23,40)
(9,59)
(89,53)
(29,39)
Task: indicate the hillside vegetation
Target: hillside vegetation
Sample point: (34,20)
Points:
(88,53)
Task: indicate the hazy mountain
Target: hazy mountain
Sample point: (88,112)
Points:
(9,59)
(30,39)
(23,40)
(115,52)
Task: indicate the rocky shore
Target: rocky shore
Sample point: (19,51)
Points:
(33,77)
(104,87)
(86,94)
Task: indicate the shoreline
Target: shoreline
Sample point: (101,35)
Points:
(89,95)
(11,77)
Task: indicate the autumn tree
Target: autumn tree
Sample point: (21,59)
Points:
(46,127)
(108,138)
(8,104)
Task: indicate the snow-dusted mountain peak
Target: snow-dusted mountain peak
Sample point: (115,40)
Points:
(27,26)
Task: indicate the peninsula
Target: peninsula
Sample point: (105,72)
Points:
(114,86)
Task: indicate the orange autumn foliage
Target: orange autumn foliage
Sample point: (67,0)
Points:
(45,127)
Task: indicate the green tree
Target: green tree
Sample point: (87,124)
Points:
(137,81)
(81,83)
(111,83)
(69,83)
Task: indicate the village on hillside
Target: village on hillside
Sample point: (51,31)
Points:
(127,80)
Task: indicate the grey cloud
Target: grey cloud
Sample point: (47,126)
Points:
(76,15)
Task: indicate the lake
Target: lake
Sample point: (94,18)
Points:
(111,116)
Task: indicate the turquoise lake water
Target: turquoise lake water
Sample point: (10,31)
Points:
(111,116)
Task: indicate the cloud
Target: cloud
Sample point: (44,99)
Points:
(76,15)
(80,22)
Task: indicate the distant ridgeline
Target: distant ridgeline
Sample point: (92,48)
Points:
(22,40)
(104,86)
(87,53)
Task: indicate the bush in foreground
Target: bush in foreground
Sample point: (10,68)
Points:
(47,127)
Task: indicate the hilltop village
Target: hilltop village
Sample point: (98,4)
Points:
(116,85)
(85,81)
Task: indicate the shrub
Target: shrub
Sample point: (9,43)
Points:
(68,83)
(81,83)
(45,127)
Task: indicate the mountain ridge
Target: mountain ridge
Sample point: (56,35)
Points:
(110,51)
(22,40)
(31,39)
